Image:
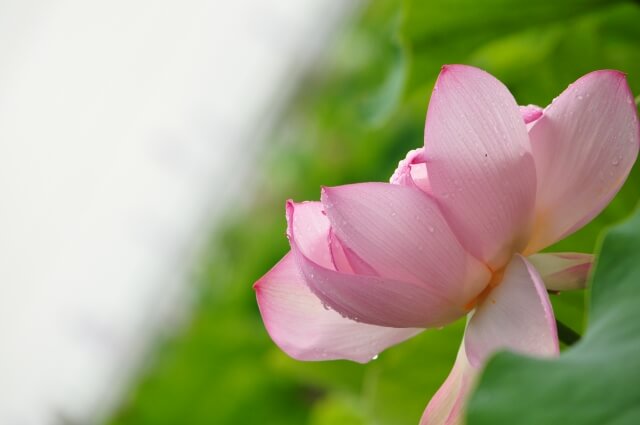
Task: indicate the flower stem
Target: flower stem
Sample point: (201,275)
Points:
(567,335)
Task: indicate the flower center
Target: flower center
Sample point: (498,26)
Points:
(494,282)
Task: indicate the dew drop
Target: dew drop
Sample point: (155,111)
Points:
(579,97)
(431,229)
(615,162)
(375,357)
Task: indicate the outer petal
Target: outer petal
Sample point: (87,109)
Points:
(446,406)
(516,315)
(402,234)
(480,166)
(297,321)
(369,299)
(563,271)
(584,147)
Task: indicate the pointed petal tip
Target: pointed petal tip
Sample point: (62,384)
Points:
(451,70)
(457,67)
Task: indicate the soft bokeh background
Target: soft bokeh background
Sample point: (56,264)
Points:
(357,105)
(354,118)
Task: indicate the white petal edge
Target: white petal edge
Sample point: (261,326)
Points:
(563,271)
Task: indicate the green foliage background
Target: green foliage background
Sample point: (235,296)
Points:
(353,119)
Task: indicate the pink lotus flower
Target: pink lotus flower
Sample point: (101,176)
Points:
(456,231)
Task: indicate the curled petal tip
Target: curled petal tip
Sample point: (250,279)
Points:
(454,67)
(289,206)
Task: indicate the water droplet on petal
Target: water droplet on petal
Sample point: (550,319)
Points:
(375,357)
(431,229)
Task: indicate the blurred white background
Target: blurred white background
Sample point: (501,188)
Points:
(125,128)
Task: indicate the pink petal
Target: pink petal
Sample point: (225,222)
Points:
(516,315)
(313,238)
(480,165)
(584,147)
(563,271)
(447,405)
(401,233)
(345,260)
(368,299)
(297,321)
(402,174)
(412,171)
(530,113)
